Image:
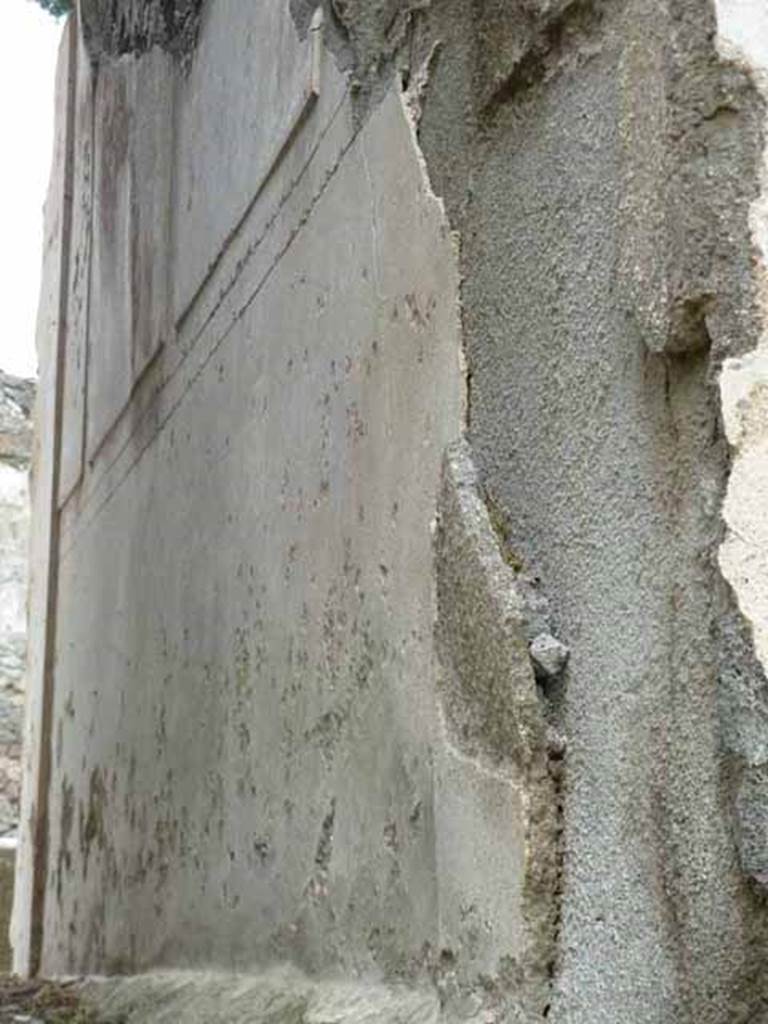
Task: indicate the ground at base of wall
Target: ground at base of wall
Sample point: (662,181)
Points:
(44,1002)
(279,995)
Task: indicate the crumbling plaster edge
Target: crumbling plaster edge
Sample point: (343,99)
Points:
(743,383)
(410,102)
(536,778)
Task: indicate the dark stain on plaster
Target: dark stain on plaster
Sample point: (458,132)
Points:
(116,119)
(316,889)
(262,851)
(66,823)
(92,823)
(115,28)
(324,850)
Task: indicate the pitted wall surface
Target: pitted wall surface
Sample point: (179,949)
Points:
(603,165)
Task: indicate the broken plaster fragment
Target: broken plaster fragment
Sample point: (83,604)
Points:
(417,87)
(548,655)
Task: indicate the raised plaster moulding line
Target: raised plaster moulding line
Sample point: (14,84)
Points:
(743,555)
(302,108)
(176,376)
(184,373)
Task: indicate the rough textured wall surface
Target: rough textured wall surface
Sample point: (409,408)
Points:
(411,613)
(607,273)
(602,162)
(16,402)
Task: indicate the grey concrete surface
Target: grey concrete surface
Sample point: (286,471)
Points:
(609,464)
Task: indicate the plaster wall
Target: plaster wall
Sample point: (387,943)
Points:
(365,450)
(250,760)
(259,720)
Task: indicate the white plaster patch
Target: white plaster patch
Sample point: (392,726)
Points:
(744,553)
(742,27)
